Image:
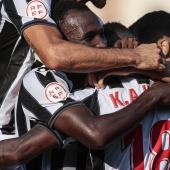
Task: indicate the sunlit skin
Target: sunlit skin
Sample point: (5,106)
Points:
(83,28)
(84,127)
(90,33)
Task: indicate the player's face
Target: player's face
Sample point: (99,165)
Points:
(84,28)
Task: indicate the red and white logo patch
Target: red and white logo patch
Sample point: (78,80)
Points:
(36,9)
(55,92)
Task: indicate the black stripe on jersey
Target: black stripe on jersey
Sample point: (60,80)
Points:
(35,164)
(28,1)
(98,158)
(20,118)
(0,10)
(52,6)
(12,13)
(113,82)
(73,156)
(142,80)
(36,22)
(81,161)
(16,62)
(8,38)
(33,106)
(9,128)
(94,107)
(45,80)
(92,103)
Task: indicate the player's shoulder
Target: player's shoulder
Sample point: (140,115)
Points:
(44,76)
(82,94)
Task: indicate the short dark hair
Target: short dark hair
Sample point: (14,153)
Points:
(151,27)
(61,8)
(113,30)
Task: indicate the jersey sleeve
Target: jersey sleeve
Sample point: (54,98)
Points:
(26,13)
(43,95)
(43,92)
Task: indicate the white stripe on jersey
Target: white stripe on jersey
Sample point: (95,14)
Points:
(142,148)
(20,17)
(15,12)
(10,97)
(36,89)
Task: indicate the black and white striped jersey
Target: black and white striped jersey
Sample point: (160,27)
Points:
(147,146)
(23,14)
(44,92)
(16,57)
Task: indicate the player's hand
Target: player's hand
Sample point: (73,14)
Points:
(126,43)
(150,57)
(94,80)
(162,90)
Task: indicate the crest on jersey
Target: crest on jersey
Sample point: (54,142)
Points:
(36,9)
(55,92)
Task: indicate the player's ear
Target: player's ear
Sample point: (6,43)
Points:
(164,44)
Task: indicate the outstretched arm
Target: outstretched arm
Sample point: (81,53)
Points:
(162,76)
(57,53)
(93,131)
(96,132)
(17,151)
(97,78)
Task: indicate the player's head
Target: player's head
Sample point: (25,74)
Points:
(154,27)
(115,31)
(79,24)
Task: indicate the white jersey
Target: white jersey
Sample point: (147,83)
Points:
(44,92)
(15,17)
(147,146)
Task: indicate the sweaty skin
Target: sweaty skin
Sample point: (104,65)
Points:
(89,131)
(89,126)
(85,59)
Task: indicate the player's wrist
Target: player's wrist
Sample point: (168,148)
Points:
(153,95)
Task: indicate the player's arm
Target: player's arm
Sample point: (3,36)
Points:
(163,76)
(97,78)
(57,53)
(96,132)
(19,150)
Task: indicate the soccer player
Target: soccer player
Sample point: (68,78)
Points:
(26,24)
(52,88)
(147,146)
(115,31)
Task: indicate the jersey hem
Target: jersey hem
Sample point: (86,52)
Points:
(35,22)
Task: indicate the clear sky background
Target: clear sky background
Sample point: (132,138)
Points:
(128,11)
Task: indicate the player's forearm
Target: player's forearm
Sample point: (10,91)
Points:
(56,53)
(97,132)
(162,76)
(85,59)
(113,126)
(126,119)
(17,151)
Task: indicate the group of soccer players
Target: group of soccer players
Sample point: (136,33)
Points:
(123,126)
